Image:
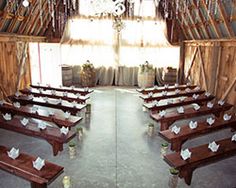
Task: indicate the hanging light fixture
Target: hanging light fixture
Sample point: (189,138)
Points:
(25,3)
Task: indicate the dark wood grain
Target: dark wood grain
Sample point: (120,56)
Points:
(70,97)
(189,112)
(51,134)
(23,167)
(65,89)
(64,106)
(58,118)
(186,133)
(200,156)
(160,89)
(158,96)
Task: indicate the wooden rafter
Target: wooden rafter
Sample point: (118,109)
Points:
(29,18)
(194,25)
(202,25)
(224,17)
(6,15)
(202,68)
(213,22)
(192,61)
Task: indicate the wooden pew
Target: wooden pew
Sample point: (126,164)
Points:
(189,112)
(160,89)
(51,134)
(64,106)
(189,100)
(81,91)
(158,96)
(71,97)
(22,167)
(177,140)
(201,156)
(58,118)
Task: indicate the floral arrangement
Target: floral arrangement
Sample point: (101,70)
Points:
(146,67)
(87,65)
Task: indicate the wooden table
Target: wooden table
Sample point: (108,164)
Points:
(59,95)
(64,106)
(201,156)
(22,167)
(177,140)
(51,134)
(160,89)
(189,100)
(58,118)
(81,91)
(171,117)
(158,96)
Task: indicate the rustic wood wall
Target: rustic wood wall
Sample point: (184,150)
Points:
(213,66)
(9,69)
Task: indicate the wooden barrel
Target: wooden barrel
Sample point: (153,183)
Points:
(146,79)
(170,75)
(66,75)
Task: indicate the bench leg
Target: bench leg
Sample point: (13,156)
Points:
(176,145)
(165,125)
(36,185)
(187,174)
(56,146)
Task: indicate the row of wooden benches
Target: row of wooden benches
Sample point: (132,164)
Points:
(22,165)
(201,155)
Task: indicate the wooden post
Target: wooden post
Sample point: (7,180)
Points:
(181,64)
(229,89)
(218,70)
(202,68)
(192,61)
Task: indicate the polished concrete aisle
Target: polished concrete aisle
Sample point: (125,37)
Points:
(116,151)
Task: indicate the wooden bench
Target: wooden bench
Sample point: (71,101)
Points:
(51,134)
(64,106)
(22,167)
(71,97)
(158,96)
(189,100)
(177,140)
(58,117)
(189,112)
(200,156)
(81,91)
(160,89)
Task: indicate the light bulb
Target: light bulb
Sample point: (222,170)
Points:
(25,3)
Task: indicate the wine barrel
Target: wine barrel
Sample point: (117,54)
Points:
(146,79)
(66,75)
(170,75)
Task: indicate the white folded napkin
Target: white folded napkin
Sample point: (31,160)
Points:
(48,85)
(175,129)
(13,153)
(42,125)
(34,109)
(65,94)
(162,113)
(59,100)
(164,93)
(207,94)
(24,121)
(213,146)
(150,94)
(195,96)
(177,91)
(72,87)
(38,83)
(185,154)
(233,138)
(193,124)
(188,90)
(221,102)
(64,130)
(17,94)
(51,113)
(30,97)
(180,109)
(2,102)
(181,99)
(176,85)
(60,86)
(40,90)
(227,117)
(16,104)
(45,99)
(78,95)
(188,84)
(67,115)
(38,163)
(196,107)
(53,92)
(210,105)
(155,87)
(86,89)
(7,116)
(210,120)
(74,103)
(197,88)
(166,86)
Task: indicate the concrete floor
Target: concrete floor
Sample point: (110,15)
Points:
(116,150)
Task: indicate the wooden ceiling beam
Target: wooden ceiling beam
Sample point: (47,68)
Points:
(8,37)
(34,21)
(45,18)
(6,15)
(224,17)
(29,17)
(194,27)
(189,28)
(203,24)
(213,22)
(184,30)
